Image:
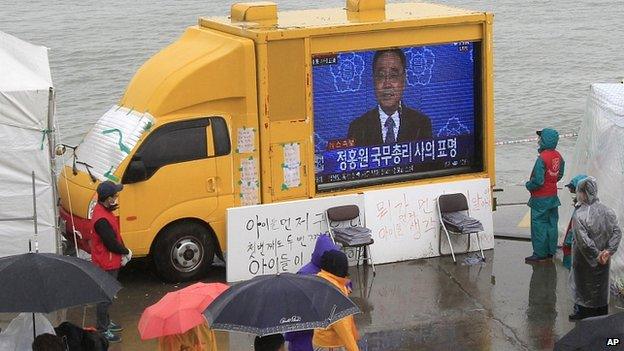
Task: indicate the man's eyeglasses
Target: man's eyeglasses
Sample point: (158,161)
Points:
(392,77)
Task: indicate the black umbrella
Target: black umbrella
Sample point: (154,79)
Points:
(279,303)
(45,282)
(597,333)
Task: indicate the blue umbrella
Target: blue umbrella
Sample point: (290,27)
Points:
(279,303)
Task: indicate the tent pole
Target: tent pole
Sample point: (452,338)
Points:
(52,152)
(34,331)
(35,213)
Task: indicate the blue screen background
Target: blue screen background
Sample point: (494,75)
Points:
(439,82)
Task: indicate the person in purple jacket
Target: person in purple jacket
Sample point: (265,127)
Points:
(302,340)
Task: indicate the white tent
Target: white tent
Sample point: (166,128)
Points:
(600,153)
(26,122)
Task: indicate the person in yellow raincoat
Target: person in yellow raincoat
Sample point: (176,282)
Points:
(344,333)
(199,338)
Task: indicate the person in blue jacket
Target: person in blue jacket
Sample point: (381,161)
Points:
(544,202)
(569,235)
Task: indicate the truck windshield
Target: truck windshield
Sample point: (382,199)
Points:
(110,141)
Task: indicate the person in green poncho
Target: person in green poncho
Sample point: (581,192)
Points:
(544,202)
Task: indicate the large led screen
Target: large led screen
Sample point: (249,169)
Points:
(390,115)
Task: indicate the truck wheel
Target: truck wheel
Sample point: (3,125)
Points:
(183,252)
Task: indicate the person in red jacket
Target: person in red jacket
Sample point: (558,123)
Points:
(544,201)
(107,249)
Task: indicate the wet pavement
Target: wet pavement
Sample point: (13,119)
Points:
(428,304)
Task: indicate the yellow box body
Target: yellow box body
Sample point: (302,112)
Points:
(258,75)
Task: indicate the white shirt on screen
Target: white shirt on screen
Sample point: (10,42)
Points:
(383,117)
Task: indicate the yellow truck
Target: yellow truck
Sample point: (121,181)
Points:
(266,106)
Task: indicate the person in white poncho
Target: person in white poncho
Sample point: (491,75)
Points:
(596,238)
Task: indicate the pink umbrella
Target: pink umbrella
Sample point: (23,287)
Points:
(178,311)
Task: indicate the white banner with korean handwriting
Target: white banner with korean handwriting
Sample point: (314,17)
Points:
(405,221)
(276,238)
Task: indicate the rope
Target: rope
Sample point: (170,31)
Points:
(528,140)
(44,133)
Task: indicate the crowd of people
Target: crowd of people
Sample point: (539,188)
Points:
(109,253)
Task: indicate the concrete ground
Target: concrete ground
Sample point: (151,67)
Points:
(428,304)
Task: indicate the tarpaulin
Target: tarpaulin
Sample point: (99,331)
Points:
(599,153)
(25,93)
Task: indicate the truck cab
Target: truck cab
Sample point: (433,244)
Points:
(241,110)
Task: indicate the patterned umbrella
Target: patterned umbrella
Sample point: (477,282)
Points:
(279,303)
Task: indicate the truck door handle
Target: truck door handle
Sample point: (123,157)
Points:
(211,185)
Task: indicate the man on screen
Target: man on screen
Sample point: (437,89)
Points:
(391,121)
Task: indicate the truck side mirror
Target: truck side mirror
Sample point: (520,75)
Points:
(136,171)
(59,150)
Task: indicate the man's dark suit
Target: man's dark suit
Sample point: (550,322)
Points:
(366,129)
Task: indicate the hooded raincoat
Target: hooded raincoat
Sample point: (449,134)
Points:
(323,244)
(342,333)
(302,340)
(544,202)
(596,228)
(569,235)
